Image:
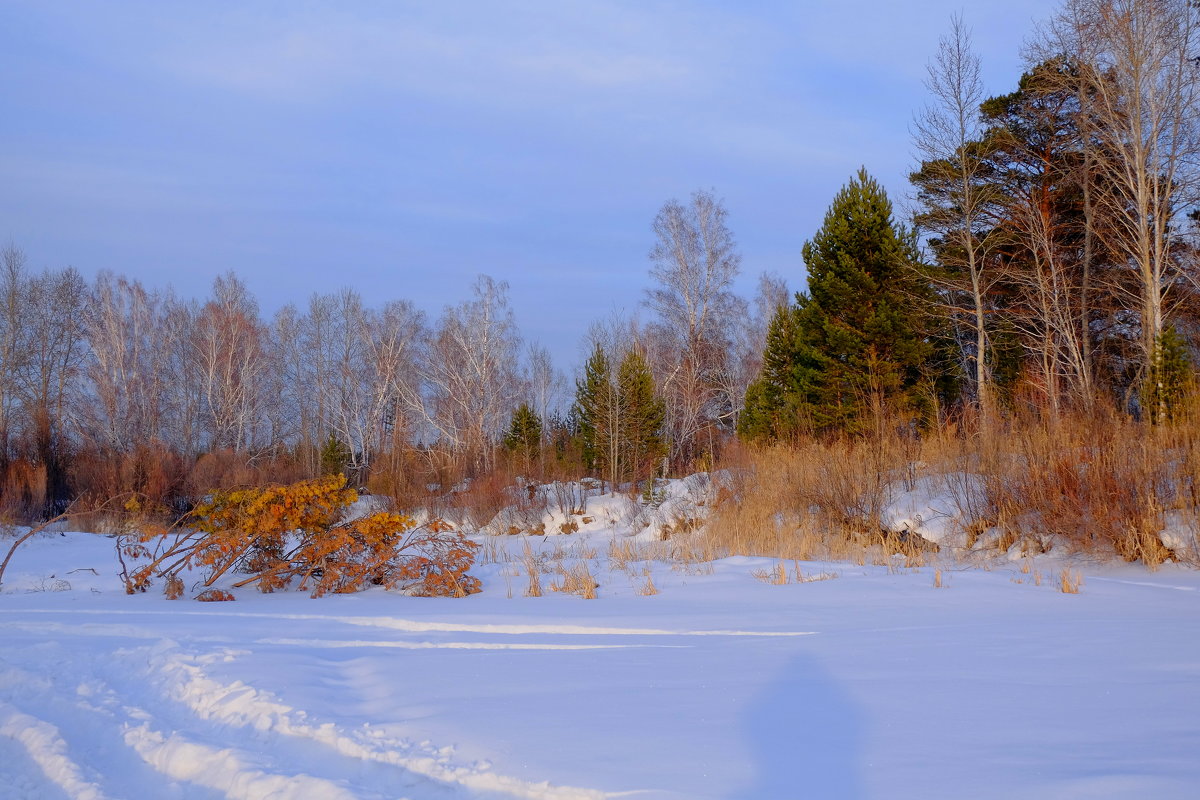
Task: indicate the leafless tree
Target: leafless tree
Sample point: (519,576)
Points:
(1139,58)
(289,415)
(694,263)
(129,366)
(469,376)
(55,349)
(227,346)
(12,351)
(957,205)
(390,342)
(545,382)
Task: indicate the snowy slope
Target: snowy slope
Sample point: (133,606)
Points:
(871,685)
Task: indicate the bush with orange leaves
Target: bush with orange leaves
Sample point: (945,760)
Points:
(297,535)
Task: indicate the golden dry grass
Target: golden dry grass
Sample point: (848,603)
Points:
(1100,484)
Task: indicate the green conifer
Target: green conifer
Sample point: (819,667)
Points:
(642,419)
(859,338)
(524,436)
(593,396)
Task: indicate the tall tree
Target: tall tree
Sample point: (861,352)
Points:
(1139,60)
(596,410)
(957,201)
(1037,171)
(470,379)
(12,349)
(641,441)
(695,262)
(228,350)
(858,341)
(50,381)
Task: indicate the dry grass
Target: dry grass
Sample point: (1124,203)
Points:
(778,575)
(577,580)
(1101,484)
(533,568)
(1069,581)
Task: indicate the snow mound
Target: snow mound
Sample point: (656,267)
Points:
(928,510)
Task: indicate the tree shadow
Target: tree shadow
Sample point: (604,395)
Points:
(805,733)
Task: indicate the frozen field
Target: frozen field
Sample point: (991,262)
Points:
(874,684)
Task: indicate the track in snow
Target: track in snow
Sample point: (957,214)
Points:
(150,719)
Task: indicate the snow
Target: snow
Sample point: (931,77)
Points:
(928,509)
(873,684)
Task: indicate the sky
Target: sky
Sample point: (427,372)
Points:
(402,148)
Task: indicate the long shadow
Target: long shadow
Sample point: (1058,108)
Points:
(805,733)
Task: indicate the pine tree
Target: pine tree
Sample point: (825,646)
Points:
(769,408)
(524,436)
(641,442)
(593,399)
(1170,383)
(335,457)
(857,342)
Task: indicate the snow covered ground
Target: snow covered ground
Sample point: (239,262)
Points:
(874,684)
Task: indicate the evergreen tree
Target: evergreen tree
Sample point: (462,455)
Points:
(641,442)
(1170,382)
(858,339)
(335,457)
(770,408)
(593,399)
(524,436)
(620,420)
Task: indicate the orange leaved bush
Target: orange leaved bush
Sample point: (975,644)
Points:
(297,535)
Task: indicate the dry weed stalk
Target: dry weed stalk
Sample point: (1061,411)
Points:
(533,568)
(577,580)
(647,588)
(1069,581)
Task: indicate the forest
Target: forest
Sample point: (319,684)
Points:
(1031,307)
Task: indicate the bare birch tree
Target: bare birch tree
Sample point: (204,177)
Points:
(1140,60)
(227,346)
(129,367)
(695,262)
(50,379)
(469,376)
(12,350)
(957,203)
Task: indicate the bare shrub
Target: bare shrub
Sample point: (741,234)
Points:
(570,497)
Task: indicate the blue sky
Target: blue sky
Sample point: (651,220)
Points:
(402,148)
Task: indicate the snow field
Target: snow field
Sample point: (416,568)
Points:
(873,684)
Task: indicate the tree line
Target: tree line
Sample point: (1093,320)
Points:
(1048,263)
(1059,224)
(110,386)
